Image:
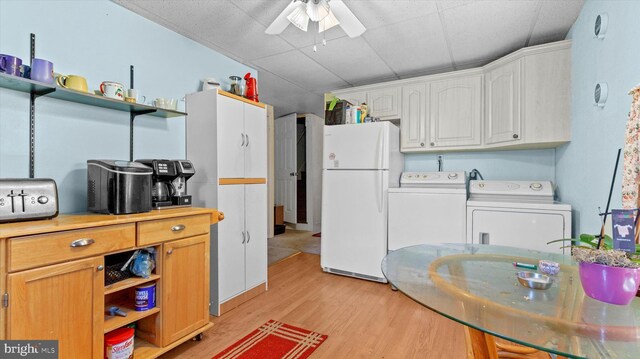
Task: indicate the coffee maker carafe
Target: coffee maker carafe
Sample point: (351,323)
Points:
(164,172)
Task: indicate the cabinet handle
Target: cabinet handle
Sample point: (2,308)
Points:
(242,135)
(247,145)
(422,144)
(178,228)
(243,237)
(170,251)
(100,267)
(82,242)
(484,238)
(248,236)
(515,135)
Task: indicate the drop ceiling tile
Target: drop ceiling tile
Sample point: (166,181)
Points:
(286,97)
(555,20)
(489,28)
(218,22)
(448,4)
(263,11)
(413,46)
(298,68)
(351,59)
(300,39)
(377,13)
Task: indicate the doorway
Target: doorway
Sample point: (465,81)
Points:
(298,169)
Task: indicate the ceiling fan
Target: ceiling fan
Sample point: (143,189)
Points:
(327,13)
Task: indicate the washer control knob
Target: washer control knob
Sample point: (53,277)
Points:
(452,176)
(536,186)
(43,199)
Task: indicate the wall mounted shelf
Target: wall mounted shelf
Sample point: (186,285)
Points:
(39,88)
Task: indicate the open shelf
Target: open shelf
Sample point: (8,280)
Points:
(128,283)
(29,86)
(144,349)
(115,322)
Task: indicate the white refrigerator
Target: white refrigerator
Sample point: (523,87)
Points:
(360,163)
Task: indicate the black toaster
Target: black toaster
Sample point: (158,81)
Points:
(23,199)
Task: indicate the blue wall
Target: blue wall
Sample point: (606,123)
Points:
(585,166)
(89,38)
(495,165)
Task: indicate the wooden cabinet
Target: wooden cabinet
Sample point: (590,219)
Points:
(185,302)
(243,240)
(65,300)
(242,139)
(455,111)
(61,302)
(384,103)
(502,98)
(413,122)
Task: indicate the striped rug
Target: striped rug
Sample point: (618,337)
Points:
(274,340)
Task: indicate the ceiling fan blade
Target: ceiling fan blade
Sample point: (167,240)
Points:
(281,22)
(348,21)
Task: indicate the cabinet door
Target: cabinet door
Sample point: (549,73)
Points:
(231,238)
(503,104)
(185,287)
(231,139)
(63,302)
(256,225)
(413,123)
(255,128)
(455,112)
(384,103)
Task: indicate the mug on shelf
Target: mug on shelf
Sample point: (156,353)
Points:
(42,71)
(134,97)
(26,71)
(73,82)
(10,65)
(113,90)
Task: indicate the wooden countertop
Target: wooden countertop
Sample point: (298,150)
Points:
(66,222)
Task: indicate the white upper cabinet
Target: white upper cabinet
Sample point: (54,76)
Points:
(521,101)
(413,122)
(255,130)
(502,97)
(230,137)
(455,111)
(384,103)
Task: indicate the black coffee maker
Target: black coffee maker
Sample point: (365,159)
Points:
(169,182)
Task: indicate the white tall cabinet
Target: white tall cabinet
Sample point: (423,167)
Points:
(227,143)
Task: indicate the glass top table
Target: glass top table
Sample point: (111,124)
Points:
(476,285)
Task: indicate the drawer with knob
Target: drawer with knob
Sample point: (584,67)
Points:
(162,230)
(42,249)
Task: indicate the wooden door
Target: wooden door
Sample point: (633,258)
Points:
(231,138)
(413,124)
(384,103)
(185,287)
(231,238)
(502,94)
(63,302)
(286,155)
(255,129)
(455,112)
(256,227)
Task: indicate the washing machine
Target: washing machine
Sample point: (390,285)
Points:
(427,208)
(519,214)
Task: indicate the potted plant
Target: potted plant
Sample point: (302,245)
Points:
(608,275)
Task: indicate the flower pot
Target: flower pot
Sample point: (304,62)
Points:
(612,285)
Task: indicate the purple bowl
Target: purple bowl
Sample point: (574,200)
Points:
(611,285)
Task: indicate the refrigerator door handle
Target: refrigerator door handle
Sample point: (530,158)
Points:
(380,194)
(380,150)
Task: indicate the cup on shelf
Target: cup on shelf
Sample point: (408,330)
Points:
(113,90)
(26,71)
(171,103)
(134,97)
(73,82)
(42,71)
(10,65)
(159,102)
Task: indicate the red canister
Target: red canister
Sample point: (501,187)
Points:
(118,344)
(251,87)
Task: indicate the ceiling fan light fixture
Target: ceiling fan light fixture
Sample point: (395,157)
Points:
(317,9)
(328,22)
(299,17)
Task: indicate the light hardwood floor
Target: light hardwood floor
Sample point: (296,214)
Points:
(362,319)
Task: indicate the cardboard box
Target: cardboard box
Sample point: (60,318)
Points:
(279,214)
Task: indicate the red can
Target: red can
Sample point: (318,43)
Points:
(118,344)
